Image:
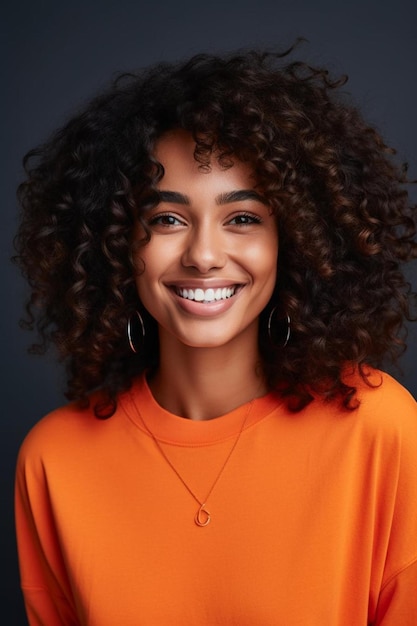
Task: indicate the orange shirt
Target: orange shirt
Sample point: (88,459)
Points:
(313,521)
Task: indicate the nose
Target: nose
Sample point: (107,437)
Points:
(205,249)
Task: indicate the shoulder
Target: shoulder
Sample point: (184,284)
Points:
(75,432)
(379,391)
(386,408)
(60,429)
(67,431)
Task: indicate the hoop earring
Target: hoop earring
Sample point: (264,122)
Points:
(287,331)
(132,334)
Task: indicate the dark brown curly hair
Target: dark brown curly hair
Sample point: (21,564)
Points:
(345,221)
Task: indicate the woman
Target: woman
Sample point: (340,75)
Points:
(216,248)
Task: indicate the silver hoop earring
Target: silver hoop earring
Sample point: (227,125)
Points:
(135,328)
(272,332)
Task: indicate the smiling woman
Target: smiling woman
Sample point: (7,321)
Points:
(216,247)
(209,268)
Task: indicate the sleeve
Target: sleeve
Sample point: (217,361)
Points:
(45,586)
(398,599)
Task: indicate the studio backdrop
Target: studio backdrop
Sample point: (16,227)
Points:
(56,55)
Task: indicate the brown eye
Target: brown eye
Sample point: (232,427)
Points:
(244,219)
(165,220)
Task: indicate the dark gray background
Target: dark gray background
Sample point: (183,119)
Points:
(57,54)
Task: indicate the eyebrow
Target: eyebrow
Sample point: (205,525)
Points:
(239,196)
(223,198)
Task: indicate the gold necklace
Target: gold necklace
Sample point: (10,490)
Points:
(203,517)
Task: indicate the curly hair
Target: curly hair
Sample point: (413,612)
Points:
(345,220)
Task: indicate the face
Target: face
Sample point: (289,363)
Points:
(210,265)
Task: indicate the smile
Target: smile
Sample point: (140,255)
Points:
(207,295)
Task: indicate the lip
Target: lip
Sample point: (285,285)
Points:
(207,283)
(204,308)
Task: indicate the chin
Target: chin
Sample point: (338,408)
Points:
(214,340)
(206,343)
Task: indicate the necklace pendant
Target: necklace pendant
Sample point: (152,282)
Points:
(202,517)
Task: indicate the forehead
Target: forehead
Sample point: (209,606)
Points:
(175,151)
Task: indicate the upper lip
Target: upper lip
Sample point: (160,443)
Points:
(214,283)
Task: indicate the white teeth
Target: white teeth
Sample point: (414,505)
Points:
(207,295)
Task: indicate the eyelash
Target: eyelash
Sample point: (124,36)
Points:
(156,220)
(251,219)
(248,217)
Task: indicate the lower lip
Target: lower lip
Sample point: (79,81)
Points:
(205,309)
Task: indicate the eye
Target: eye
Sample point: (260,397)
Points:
(165,219)
(245,219)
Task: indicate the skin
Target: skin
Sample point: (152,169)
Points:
(210,232)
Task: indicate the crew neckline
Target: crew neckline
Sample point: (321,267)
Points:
(170,428)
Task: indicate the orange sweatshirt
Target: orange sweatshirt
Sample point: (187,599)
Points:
(313,521)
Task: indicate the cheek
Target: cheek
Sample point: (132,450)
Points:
(143,275)
(146,260)
(140,287)
(271,249)
(151,263)
(263,258)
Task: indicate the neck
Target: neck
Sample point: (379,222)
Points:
(203,383)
